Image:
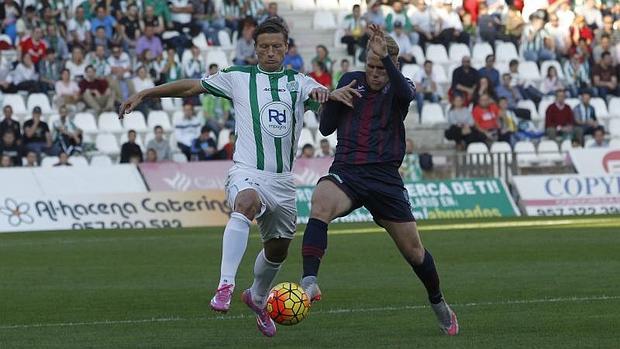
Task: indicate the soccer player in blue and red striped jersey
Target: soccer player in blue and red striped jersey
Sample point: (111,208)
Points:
(368,110)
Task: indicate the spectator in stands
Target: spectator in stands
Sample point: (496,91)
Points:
(130,148)
(599,138)
(464,79)
(129,26)
(31,160)
(204,147)
(206,17)
(344,68)
(152,20)
(63,160)
(577,74)
(141,82)
(226,153)
(10,11)
(120,63)
(462,128)
(423,23)
(187,129)
(151,155)
(583,49)
(514,25)
(99,61)
(486,116)
(160,9)
(104,20)
(11,148)
(49,71)
(307,151)
(8,124)
(509,125)
(23,78)
(33,46)
(293,59)
(451,27)
(604,45)
(354,29)
(325,149)
(565,14)
(322,55)
(67,137)
(489,71)
(26,22)
(527,90)
(172,69)
(67,90)
(195,65)
(5,161)
(96,92)
(397,15)
(551,82)
(592,15)
(79,29)
(320,74)
(101,40)
(608,30)
(56,42)
(559,119)
(484,87)
(149,41)
(426,86)
(536,44)
(489,25)
(585,116)
(160,145)
(181,14)
(216,110)
(77,64)
(604,77)
(404,45)
(559,34)
(36,136)
(579,30)
(374,15)
(272,12)
(245,53)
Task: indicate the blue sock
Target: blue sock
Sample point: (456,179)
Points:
(314,246)
(427,273)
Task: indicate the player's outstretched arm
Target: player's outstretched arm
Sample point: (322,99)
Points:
(180,88)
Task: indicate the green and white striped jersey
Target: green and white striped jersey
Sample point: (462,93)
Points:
(269,109)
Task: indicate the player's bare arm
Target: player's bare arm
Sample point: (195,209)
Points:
(181,88)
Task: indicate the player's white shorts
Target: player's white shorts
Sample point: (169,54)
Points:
(278,215)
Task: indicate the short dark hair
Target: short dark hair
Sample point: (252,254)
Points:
(204,129)
(271,26)
(344,60)
(90,66)
(513,62)
(213,65)
(157,127)
(50,51)
(131,131)
(307,146)
(605,54)
(599,128)
(489,56)
(428,61)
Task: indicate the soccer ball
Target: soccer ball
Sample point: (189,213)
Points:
(288,304)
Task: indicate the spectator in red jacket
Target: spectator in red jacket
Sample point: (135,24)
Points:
(559,118)
(34,46)
(486,116)
(320,74)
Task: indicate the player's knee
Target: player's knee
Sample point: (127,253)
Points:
(248,205)
(276,256)
(415,254)
(322,209)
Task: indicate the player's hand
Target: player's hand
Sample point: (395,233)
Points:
(345,94)
(129,105)
(320,94)
(378,44)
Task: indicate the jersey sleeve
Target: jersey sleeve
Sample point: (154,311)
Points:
(219,84)
(307,85)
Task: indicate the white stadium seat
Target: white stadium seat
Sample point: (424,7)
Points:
(106,144)
(171,104)
(589,143)
(123,140)
(544,67)
(501,147)
(310,120)
(179,157)
(600,107)
(477,152)
(572,102)
(159,118)
(327,5)
(200,41)
(222,138)
(432,114)
(410,70)
(458,51)
(549,152)
(437,53)
(85,122)
(78,161)
(135,121)
(16,102)
(526,153)
(542,107)
(39,100)
(506,51)
(224,39)
(418,53)
(100,160)
(324,20)
(442,77)
(49,161)
(529,105)
(481,51)
(306,137)
(614,127)
(332,138)
(529,71)
(218,57)
(565,146)
(614,143)
(109,122)
(614,107)
(302,5)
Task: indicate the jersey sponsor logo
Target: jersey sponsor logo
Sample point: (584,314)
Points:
(268,89)
(292,86)
(275,119)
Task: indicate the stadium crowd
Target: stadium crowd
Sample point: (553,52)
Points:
(86,56)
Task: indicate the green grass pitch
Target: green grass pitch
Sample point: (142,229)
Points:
(528,283)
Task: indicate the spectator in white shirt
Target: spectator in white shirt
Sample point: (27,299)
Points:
(404,45)
(79,29)
(451,26)
(186,130)
(141,82)
(424,22)
(426,86)
(23,78)
(195,65)
(77,64)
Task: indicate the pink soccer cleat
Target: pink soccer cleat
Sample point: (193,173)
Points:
(447,318)
(221,301)
(311,288)
(263,321)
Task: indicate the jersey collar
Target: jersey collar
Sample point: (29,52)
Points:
(281,71)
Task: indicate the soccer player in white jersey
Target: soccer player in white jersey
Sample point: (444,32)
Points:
(269,107)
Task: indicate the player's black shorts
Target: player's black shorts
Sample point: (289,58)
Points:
(378,187)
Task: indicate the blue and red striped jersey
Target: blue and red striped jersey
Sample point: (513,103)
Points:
(373,131)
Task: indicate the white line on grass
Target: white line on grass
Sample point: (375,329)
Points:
(318,312)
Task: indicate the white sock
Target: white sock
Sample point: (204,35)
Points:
(265,272)
(234,243)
